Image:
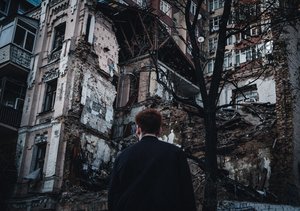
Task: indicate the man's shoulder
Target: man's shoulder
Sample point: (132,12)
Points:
(148,143)
(155,142)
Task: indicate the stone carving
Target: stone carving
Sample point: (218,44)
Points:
(50,75)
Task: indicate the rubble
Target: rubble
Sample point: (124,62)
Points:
(246,137)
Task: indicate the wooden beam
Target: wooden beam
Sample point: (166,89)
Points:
(127,43)
(146,31)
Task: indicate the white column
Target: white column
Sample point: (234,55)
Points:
(52,157)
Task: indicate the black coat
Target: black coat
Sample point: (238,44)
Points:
(151,175)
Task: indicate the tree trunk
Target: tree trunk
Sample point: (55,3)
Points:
(210,189)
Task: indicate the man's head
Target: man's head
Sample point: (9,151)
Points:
(148,122)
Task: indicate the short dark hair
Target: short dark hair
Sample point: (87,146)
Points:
(149,121)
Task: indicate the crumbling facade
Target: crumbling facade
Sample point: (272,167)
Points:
(68,112)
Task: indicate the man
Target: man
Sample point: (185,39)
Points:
(151,175)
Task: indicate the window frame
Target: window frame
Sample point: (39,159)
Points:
(210,66)
(227,61)
(49,95)
(40,156)
(215,4)
(193,8)
(165,7)
(212,44)
(28,32)
(214,24)
(248,93)
(5,12)
(57,29)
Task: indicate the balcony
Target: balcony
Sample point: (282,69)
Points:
(16,55)
(17,39)
(10,116)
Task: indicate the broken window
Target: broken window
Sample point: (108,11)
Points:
(246,94)
(40,156)
(50,95)
(128,89)
(24,35)
(59,36)
(246,11)
(90,25)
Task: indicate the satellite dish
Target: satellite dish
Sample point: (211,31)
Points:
(200,39)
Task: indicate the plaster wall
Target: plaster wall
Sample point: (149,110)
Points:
(51,165)
(96,151)
(106,46)
(265,89)
(97,98)
(26,148)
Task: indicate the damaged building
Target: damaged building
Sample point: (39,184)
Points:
(68,112)
(73,123)
(95,64)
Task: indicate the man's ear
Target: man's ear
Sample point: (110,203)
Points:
(160,131)
(138,130)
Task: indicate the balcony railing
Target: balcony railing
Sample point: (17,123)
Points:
(10,116)
(16,55)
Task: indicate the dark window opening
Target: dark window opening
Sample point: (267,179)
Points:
(27,26)
(59,36)
(4,6)
(40,156)
(24,37)
(246,94)
(29,42)
(50,95)
(20,35)
(88,25)
(12,94)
